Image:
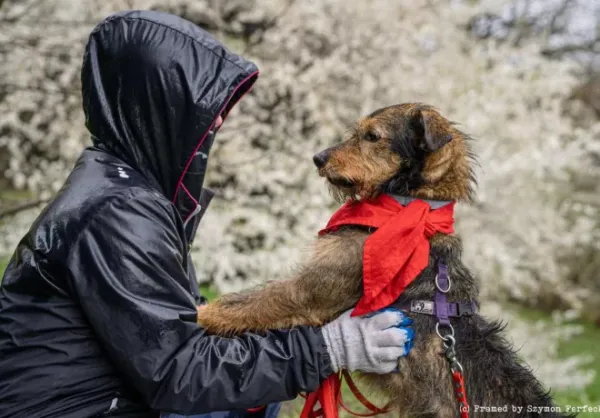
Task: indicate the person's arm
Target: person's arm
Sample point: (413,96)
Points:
(127,268)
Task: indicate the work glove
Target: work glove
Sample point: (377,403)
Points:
(370,344)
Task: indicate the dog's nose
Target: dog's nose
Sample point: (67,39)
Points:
(321,158)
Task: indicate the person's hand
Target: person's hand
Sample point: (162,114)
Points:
(369,343)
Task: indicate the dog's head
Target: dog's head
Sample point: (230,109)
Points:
(406,149)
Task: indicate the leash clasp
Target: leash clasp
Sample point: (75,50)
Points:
(450,354)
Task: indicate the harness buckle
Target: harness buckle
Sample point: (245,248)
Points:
(461,309)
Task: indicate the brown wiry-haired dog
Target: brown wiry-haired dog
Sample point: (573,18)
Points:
(406,150)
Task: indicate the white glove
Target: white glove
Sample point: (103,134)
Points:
(370,344)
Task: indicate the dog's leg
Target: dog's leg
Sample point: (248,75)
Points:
(328,284)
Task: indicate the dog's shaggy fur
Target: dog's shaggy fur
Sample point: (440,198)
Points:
(410,150)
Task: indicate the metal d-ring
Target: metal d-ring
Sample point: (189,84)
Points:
(437,284)
(447,337)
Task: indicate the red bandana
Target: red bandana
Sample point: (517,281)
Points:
(398,251)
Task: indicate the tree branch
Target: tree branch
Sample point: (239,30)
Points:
(560,12)
(21,207)
(567,49)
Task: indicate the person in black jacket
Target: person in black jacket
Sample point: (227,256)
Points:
(98,303)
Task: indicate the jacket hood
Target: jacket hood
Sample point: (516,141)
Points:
(153,85)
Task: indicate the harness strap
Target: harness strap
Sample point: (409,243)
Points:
(442,284)
(428,307)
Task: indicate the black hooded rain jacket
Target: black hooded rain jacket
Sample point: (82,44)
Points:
(98,303)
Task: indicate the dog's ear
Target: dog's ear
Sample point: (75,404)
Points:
(432,130)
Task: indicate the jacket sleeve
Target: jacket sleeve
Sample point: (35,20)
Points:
(127,268)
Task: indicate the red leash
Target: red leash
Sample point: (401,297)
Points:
(461,393)
(329,396)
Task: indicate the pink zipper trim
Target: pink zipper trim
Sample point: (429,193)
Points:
(185,189)
(187,166)
(189,194)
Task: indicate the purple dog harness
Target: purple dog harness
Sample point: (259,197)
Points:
(443,311)
(440,307)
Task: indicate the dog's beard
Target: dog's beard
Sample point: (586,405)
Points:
(343,189)
(341,194)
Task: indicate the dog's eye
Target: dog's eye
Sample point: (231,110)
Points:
(371,137)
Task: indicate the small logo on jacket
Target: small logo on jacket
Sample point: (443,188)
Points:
(122,173)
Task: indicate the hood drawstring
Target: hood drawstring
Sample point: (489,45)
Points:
(191,216)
